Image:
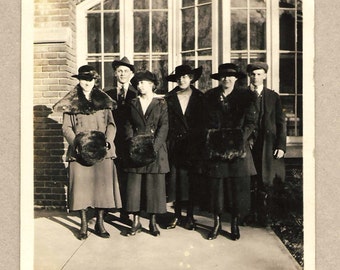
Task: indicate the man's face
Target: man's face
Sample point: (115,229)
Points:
(123,74)
(228,82)
(184,81)
(257,76)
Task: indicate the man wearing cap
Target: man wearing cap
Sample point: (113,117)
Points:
(269,143)
(185,137)
(123,92)
(230,120)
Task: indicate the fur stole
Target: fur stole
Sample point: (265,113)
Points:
(75,102)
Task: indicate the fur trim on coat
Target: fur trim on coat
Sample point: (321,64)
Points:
(90,147)
(225,144)
(75,102)
(141,151)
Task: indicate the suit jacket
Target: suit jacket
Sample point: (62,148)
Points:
(119,115)
(237,112)
(155,121)
(270,134)
(186,132)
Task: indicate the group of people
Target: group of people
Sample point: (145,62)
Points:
(134,150)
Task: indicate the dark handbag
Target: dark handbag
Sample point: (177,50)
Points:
(225,144)
(140,151)
(90,147)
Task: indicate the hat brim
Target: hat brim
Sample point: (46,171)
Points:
(197,72)
(118,63)
(219,75)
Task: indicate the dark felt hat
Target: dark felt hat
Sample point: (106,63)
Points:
(144,75)
(86,72)
(185,70)
(90,147)
(123,62)
(227,69)
(257,65)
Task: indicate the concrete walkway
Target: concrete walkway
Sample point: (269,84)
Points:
(56,247)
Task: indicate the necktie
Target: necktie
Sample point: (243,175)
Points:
(121,95)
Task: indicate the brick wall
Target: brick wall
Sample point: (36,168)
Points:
(54,63)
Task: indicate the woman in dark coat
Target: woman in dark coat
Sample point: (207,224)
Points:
(146,130)
(231,117)
(185,142)
(89,128)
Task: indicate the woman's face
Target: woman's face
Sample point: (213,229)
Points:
(86,85)
(184,81)
(145,87)
(228,82)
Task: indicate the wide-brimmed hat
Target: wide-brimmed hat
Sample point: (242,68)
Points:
(257,65)
(86,72)
(185,70)
(123,62)
(90,147)
(144,75)
(227,69)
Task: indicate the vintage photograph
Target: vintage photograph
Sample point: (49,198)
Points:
(169,134)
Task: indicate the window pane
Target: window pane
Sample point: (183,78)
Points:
(238,3)
(204,82)
(293,120)
(299,4)
(98,67)
(299,116)
(141,4)
(287,73)
(142,64)
(141,31)
(257,3)
(287,30)
(204,1)
(187,3)
(159,4)
(93,33)
(96,7)
(188,29)
(204,53)
(159,31)
(160,68)
(108,75)
(111,32)
(287,3)
(258,29)
(204,26)
(299,31)
(111,4)
(239,30)
(241,59)
(299,76)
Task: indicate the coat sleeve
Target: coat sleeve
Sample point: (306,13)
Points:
(67,128)
(111,127)
(281,129)
(162,126)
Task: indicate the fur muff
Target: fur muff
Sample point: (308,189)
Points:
(90,147)
(75,102)
(141,151)
(225,144)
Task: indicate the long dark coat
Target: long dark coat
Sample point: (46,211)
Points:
(239,113)
(120,115)
(271,134)
(155,121)
(186,132)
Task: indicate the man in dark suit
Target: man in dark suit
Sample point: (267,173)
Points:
(123,92)
(269,144)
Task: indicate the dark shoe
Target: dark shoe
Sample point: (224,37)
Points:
(82,235)
(173,223)
(235,231)
(135,229)
(190,224)
(154,230)
(101,232)
(217,228)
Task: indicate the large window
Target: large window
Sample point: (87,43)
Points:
(160,34)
